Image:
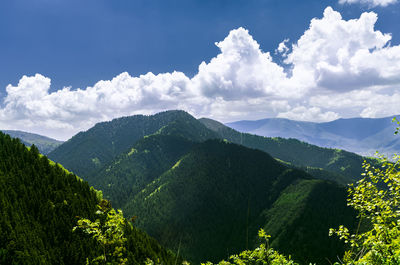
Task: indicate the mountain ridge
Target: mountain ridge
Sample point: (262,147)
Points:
(298,153)
(43,143)
(361,135)
(183,170)
(90,150)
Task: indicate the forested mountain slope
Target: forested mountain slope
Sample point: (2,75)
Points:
(43,143)
(208,198)
(215,198)
(89,151)
(92,151)
(361,135)
(298,219)
(39,205)
(127,175)
(296,152)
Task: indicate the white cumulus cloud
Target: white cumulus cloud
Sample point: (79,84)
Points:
(337,68)
(344,55)
(242,70)
(303,113)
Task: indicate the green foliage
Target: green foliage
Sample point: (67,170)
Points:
(262,255)
(377,199)
(39,204)
(108,231)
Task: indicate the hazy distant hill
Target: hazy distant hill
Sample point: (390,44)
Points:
(361,135)
(43,143)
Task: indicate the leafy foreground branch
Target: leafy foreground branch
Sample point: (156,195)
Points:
(108,231)
(377,198)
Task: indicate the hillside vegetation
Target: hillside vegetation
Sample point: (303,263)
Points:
(40,204)
(89,151)
(181,184)
(225,193)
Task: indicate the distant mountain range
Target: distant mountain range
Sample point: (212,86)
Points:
(43,143)
(205,189)
(364,136)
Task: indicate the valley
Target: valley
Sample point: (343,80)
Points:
(184,177)
(203,190)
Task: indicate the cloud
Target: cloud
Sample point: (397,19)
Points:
(337,68)
(64,112)
(240,71)
(344,55)
(303,113)
(371,3)
(282,48)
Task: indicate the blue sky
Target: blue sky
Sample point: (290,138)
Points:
(78,44)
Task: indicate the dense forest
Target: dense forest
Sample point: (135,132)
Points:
(40,204)
(225,193)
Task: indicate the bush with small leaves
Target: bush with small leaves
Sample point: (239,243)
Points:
(263,255)
(108,231)
(377,199)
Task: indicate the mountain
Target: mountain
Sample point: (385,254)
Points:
(40,203)
(43,143)
(131,172)
(343,167)
(364,136)
(92,151)
(89,151)
(206,198)
(214,199)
